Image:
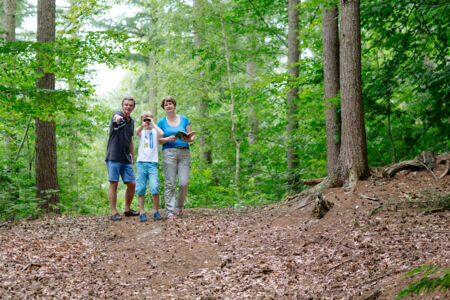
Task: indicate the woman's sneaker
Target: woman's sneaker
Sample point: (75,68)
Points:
(170,216)
(143,217)
(179,213)
(157,216)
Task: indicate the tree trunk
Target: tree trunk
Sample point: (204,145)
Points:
(152,101)
(9,20)
(203,106)
(253,122)
(292,99)
(331,83)
(252,116)
(46,161)
(352,161)
(233,120)
(353,147)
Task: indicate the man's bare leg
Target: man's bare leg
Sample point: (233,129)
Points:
(112,196)
(129,194)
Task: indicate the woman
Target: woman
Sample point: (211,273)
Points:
(176,157)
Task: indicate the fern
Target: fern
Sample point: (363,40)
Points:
(427,283)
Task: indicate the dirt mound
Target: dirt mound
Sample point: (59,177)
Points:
(361,247)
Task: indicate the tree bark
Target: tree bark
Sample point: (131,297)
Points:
(352,162)
(9,20)
(203,106)
(46,160)
(233,120)
(152,92)
(292,98)
(353,147)
(331,83)
(252,116)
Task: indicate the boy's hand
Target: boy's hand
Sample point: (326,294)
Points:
(147,122)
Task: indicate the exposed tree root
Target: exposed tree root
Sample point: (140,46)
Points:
(313,181)
(304,195)
(425,160)
(447,169)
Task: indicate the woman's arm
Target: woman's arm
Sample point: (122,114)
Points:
(164,140)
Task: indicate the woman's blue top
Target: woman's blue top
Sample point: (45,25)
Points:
(170,130)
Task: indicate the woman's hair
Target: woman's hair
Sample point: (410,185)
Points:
(168,99)
(146,114)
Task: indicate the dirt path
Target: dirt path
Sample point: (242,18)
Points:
(270,252)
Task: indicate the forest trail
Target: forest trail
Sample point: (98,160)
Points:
(268,252)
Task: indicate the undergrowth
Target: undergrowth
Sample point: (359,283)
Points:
(427,283)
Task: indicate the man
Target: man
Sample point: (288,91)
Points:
(120,158)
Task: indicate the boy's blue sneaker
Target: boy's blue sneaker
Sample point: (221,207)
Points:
(157,216)
(143,217)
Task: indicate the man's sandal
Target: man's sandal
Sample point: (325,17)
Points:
(131,213)
(115,217)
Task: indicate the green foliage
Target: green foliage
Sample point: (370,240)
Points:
(405,70)
(427,283)
(405,74)
(17,193)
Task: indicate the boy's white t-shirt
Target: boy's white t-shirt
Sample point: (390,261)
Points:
(148,146)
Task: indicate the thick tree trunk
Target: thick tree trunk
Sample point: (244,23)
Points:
(331,83)
(353,147)
(352,161)
(9,20)
(292,99)
(46,161)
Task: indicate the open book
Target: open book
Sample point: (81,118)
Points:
(181,134)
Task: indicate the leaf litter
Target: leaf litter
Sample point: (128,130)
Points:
(267,252)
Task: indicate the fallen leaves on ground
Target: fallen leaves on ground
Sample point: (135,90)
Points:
(267,252)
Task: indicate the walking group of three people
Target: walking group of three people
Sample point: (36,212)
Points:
(176,159)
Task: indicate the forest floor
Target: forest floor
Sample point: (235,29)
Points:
(277,251)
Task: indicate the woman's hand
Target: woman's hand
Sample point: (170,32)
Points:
(186,139)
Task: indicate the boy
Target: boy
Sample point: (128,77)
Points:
(147,163)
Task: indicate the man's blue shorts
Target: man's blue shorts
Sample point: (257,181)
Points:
(147,171)
(117,169)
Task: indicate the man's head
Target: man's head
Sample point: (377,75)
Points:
(128,105)
(168,99)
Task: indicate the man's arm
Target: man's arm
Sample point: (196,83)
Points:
(132,151)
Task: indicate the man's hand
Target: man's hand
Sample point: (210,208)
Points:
(117,118)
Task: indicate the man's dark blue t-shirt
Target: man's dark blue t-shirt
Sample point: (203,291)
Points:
(120,137)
